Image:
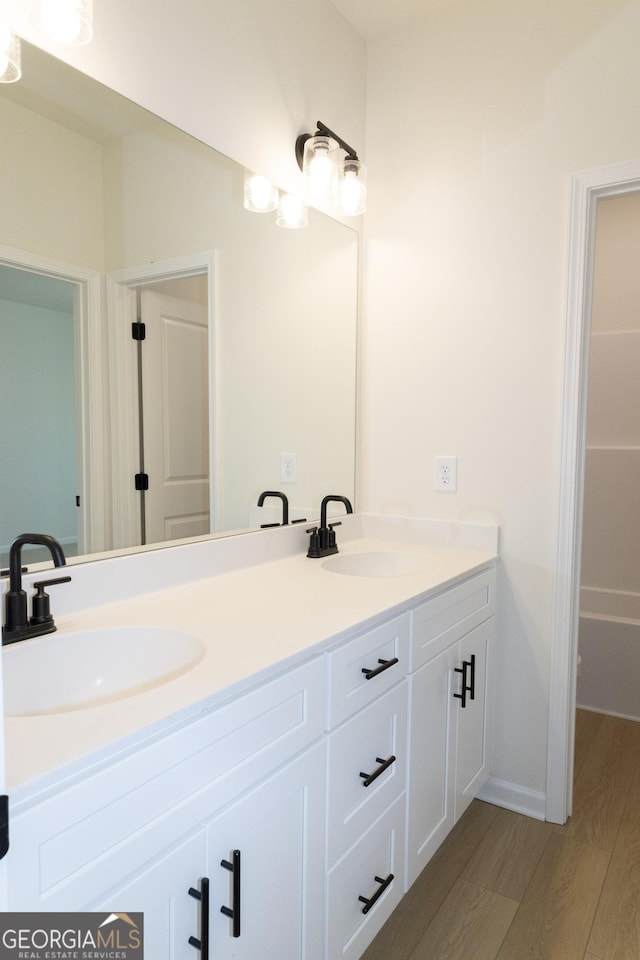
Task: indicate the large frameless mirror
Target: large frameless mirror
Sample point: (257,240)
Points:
(114,223)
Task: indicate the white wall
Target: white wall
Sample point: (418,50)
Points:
(475,122)
(55,204)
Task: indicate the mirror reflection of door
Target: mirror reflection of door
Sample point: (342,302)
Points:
(38,423)
(174,395)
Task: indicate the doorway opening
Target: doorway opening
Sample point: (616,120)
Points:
(587,188)
(163,408)
(38,430)
(51,383)
(609,622)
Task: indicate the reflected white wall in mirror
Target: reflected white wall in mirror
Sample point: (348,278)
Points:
(104,186)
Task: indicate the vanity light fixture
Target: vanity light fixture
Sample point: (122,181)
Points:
(10,68)
(68,21)
(331,181)
(260,195)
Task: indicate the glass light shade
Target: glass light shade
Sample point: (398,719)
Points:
(10,68)
(292,212)
(353,188)
(320,172)
(260,195)
(68,21)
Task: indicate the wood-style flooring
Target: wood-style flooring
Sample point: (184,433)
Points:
(506,887)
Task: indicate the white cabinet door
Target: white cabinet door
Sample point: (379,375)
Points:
(161,892)
(432,747)
(472,720)
(448,732)
(277,833)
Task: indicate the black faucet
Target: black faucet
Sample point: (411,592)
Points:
(322,542)
(17,626)
(285,507)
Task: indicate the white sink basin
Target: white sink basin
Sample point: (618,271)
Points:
(379,564)
(72,671)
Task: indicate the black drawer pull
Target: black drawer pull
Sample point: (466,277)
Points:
(472,671)
(384,765)
(371,901)
(467,688)
(385,664)
(203,896)
(233,912)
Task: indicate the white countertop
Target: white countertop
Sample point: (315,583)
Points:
(254,623)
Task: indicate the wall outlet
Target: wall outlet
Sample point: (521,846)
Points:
(445,474)
(288,468)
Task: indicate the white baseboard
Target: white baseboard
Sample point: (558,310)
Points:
(531,803)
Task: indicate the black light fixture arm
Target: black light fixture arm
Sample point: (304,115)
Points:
(350,152)
(323,130)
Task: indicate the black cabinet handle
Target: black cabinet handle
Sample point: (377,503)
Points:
(472,671)
(233,912)
(385,664)
(384,765)
(467,688)
(203,896)
(369,902)
(463,694)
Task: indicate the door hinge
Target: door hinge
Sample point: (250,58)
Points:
(4,825)
(77,501)
(138,330)
(142,481)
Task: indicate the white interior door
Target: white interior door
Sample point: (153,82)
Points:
(175,398)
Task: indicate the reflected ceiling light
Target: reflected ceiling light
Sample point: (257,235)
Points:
(292,212)
(331,181)
(10,69)
(68,21)
(260,195)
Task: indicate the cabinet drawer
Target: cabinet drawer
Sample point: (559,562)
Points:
(446,618)
(69,848)
(366,744)
(379,854)
(362,669)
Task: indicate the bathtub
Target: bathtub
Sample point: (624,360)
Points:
(609,647)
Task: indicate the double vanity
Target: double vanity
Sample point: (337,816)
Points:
(257,750)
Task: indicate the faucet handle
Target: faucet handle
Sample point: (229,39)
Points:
(314,542)
(41,612)
(331,540)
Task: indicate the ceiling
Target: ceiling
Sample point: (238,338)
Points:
(370,17)
(23,286)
